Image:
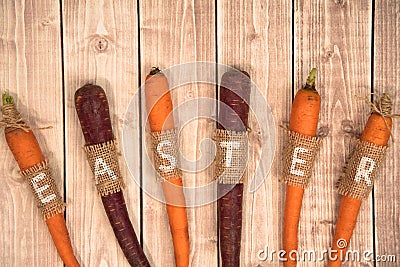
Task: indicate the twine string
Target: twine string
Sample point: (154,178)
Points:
(12,119)
(383,107)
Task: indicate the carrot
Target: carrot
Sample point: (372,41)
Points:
(158,101)
(235,93)
(346,222)
(376,131)
(230,223)
(26,151)
(59,233)
(303,120)
(93,111)
(159,109)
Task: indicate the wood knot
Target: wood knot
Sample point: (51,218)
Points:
(340,3)
(45,22)
(100,44)
(348,127)
(329,54)
(323,131)
(252,36)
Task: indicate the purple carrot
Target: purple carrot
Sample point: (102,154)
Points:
(235,93)
(93,111)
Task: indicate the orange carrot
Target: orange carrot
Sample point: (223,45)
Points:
(376,131)
(346,222)
(59,233)
(303,120)
(26,151)
(159,108)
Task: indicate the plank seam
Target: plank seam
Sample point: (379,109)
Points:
(372,90)
(63,110)
(217,105)
(141,200)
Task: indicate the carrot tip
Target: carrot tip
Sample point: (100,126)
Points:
(245,73)
(7,99)
(154,70)
(311,77)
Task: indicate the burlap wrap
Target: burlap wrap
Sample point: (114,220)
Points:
(231,156)
(103,161)
(165,154)
(43,186)
(360,171)
(298,158)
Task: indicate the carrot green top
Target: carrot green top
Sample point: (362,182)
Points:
(310,84)
(7,99)
(311,77)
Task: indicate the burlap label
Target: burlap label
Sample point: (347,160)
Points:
(298,158)
(360,171)
(165,154)
(43,186)
(231,156)
(103,161)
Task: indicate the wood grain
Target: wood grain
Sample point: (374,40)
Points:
(173,33)
(99,43)
(30,69)
(387,79)
(334,37)
(100,47)
(255,36)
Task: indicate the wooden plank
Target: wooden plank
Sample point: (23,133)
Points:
(255,36)
(334,37)
(100,46)
(30,68)
(387,79)
(173,33)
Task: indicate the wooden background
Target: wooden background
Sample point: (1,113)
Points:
(48,49)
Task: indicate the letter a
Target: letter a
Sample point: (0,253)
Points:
(101,168)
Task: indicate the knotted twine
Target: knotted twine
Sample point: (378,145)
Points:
(103,161)
(358,178)
(231,156)
(298,158)
(166,154)
(12,119)
(383,107)
(43,187)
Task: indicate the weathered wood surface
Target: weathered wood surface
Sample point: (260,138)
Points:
(334,37)
(255,36)
(49,49)
(386,78)
(31,70)
(172,33)
(100,47)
